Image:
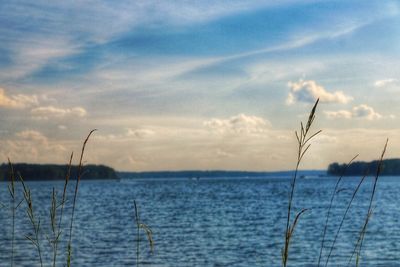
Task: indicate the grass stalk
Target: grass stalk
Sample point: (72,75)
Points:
(35,222)
(149,233)
(137,220)
(63,199)
(344,217)
(360,240)
(330,207)
(79,176)
(54,230)
(11,189)
(303,139)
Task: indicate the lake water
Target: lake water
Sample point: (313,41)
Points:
(210,222)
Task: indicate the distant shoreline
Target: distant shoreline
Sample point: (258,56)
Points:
(213,174)
(54,172)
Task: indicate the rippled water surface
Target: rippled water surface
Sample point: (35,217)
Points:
(210,222)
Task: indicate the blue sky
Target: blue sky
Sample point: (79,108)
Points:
(198,84)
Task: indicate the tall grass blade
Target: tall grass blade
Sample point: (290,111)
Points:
(147,230)
(35,222)
(11,189)
(358,245)
(149,235)
(330,207)
(137,220)
(63,199)
(54,229)
(79,176)
(302,139)
(344,217)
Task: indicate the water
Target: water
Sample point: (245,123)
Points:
(210,222)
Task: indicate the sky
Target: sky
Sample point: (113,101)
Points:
(174,85)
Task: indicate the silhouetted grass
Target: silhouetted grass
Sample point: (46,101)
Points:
(11,189)
(344,217)
(79,176)
(34,219)
(63,199)
(149,233)
(335,191)
(360,240)
(303,139)
(35,239)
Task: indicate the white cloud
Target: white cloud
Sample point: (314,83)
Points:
(51,111)
(309,91)
(362,111)
(17,101)
(385,82)
(239,124)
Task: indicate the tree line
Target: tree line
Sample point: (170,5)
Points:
(33,172)
(389,167)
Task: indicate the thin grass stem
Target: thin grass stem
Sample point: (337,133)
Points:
(63,199)
(35,222)
(137,220)
(79,176)
(11,189)
(358,245)
(303,147)
(344,217)
(330,207)
(146,229)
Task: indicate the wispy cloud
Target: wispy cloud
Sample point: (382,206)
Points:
(309,91)
(296,41)
(183,12)
(34,53)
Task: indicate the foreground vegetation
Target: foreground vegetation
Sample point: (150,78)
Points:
(15,175)
(304,137)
